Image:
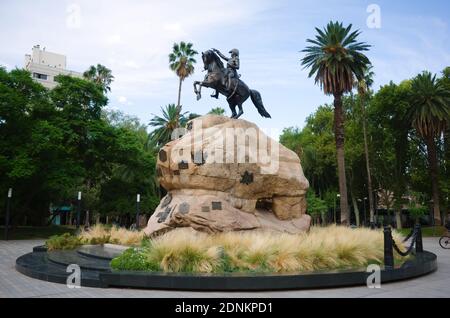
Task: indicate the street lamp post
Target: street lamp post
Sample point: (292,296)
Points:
(138,200)
(338,196)
(79,209)
(432,213)
(375,194)
(365,214)
(8,206)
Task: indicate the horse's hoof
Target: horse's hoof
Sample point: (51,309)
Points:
(199,96)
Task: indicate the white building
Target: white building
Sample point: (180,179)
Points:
(44,66)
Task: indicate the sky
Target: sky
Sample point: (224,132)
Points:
(133,38)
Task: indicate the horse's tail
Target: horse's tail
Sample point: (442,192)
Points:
(257,101)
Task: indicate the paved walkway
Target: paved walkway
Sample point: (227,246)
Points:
(14,284)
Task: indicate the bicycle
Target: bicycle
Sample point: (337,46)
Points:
(444,241)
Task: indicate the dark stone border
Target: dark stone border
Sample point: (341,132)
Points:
(37,265)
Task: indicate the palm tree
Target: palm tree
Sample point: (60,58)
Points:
(335,59)
(182,61)
(217,111)
(429,115)
(165,125)
(363,86)
(100,75)
(446,80)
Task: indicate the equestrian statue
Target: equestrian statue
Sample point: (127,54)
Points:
(226,81)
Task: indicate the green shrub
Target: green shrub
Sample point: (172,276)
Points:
(133,260)
(63,242)
(101,240)
(417,211)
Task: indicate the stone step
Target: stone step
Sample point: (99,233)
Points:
(104,252)
(38,266)
(67,258)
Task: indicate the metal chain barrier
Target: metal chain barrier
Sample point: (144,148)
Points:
(413,242)
(390,245)
(410,234)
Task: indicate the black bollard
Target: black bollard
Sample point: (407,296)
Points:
(419,242)
(388,248)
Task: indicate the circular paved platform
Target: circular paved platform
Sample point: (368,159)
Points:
(95,272)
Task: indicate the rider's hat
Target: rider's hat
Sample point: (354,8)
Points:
(234,51)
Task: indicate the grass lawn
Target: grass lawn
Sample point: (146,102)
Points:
(435,231)
(31,232)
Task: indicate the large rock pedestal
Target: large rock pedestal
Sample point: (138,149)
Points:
(227,175)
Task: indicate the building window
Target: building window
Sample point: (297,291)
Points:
(40,76)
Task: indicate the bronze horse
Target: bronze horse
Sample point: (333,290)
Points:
(239,91)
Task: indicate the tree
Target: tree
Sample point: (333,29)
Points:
(182,61)
(314,144)
(445,181)
(54,143)
(316,207)
(392,148)
(429,115)
(217,111)
(101,76)
(166,124)
(335,59)
(89,139)
(34,157)
(363,87)
(354,153)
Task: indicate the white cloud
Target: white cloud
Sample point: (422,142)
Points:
(124,101)
(5,65)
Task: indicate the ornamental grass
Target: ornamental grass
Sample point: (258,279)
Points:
(322,248)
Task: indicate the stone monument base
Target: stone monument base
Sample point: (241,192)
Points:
(214,212)
(228,175)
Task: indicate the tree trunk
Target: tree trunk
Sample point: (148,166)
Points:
(398,217)
(86,221)
(447,170)
(432,159)
(324,218)
(179,98)
(339,137)
(447,149)
(356,209)
(366,151)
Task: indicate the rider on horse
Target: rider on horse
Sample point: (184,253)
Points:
(234,89)
(233,65)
